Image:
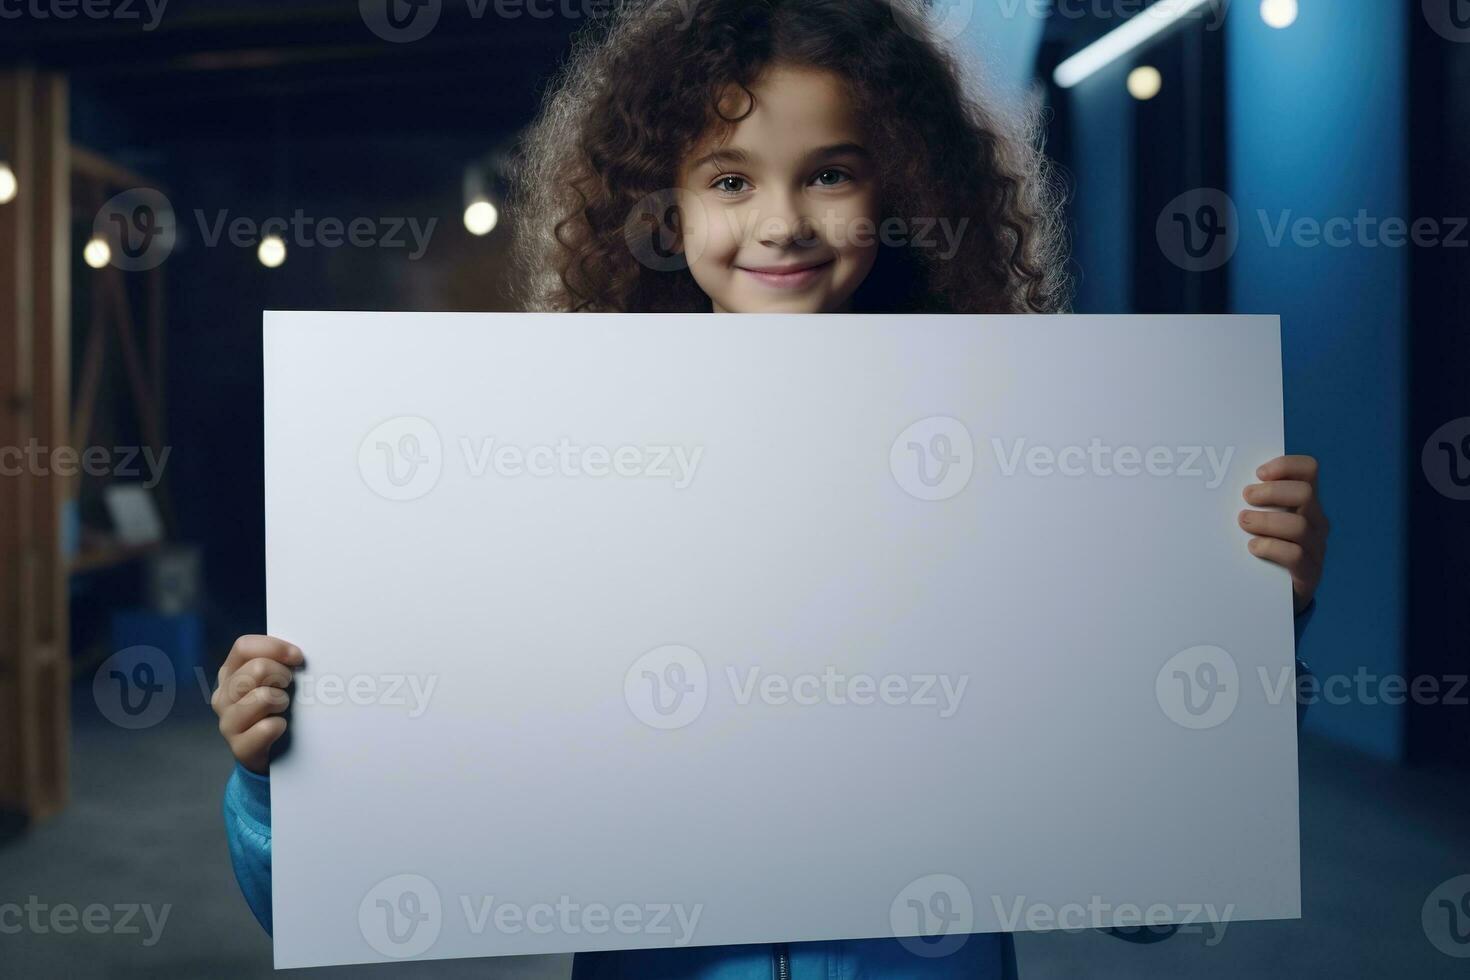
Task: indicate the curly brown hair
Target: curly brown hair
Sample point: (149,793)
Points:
(639,93)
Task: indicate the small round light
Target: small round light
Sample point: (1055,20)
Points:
(97,253)
(272,251)
(1144,82)
(8,186)
(1279,14)
(481,217)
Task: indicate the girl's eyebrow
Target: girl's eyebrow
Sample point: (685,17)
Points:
(721,157)
(842,149)
(728,156)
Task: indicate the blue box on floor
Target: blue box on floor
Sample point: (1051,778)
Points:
(179,636)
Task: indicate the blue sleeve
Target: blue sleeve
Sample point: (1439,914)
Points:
(247,809)
(1302,619)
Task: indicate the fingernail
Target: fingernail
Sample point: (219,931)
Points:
(1261,471)
(1254,545)
(1247,516)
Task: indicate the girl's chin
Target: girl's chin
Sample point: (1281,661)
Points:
(786,306)
(796,303)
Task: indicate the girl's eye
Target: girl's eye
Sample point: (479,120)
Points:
(730,184)
(831,178)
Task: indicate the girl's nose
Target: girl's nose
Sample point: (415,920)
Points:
(784,231)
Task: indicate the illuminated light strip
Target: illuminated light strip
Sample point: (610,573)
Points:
(1137,30)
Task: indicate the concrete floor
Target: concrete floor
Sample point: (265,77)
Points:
(144,827)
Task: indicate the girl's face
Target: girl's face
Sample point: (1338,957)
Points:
(781,215)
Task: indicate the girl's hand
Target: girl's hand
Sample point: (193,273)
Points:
(251,696)
(1296,536)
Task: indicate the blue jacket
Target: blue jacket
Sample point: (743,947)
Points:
(984,956)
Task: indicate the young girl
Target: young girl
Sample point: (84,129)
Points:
(756,156)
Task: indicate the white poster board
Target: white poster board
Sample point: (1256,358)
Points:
(721,629)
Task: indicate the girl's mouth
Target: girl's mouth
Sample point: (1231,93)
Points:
(794,276)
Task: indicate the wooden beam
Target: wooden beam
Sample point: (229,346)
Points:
(16,317)
(35,341)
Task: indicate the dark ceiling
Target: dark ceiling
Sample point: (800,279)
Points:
(209,67)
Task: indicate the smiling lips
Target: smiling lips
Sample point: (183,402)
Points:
(788,276)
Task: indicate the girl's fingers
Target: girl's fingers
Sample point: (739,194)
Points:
(1275,524)
(244,713)
(1303,468)
(1296,536)
(1297,563)
(251,646)
(252,747)
(1289,555)
(1282,493)
(260,672)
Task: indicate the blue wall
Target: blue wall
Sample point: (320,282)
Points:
(1317,128)
(1003,37)
(1102,192)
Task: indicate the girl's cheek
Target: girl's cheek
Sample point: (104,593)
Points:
(854,225)
(697,228)
(723,229)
